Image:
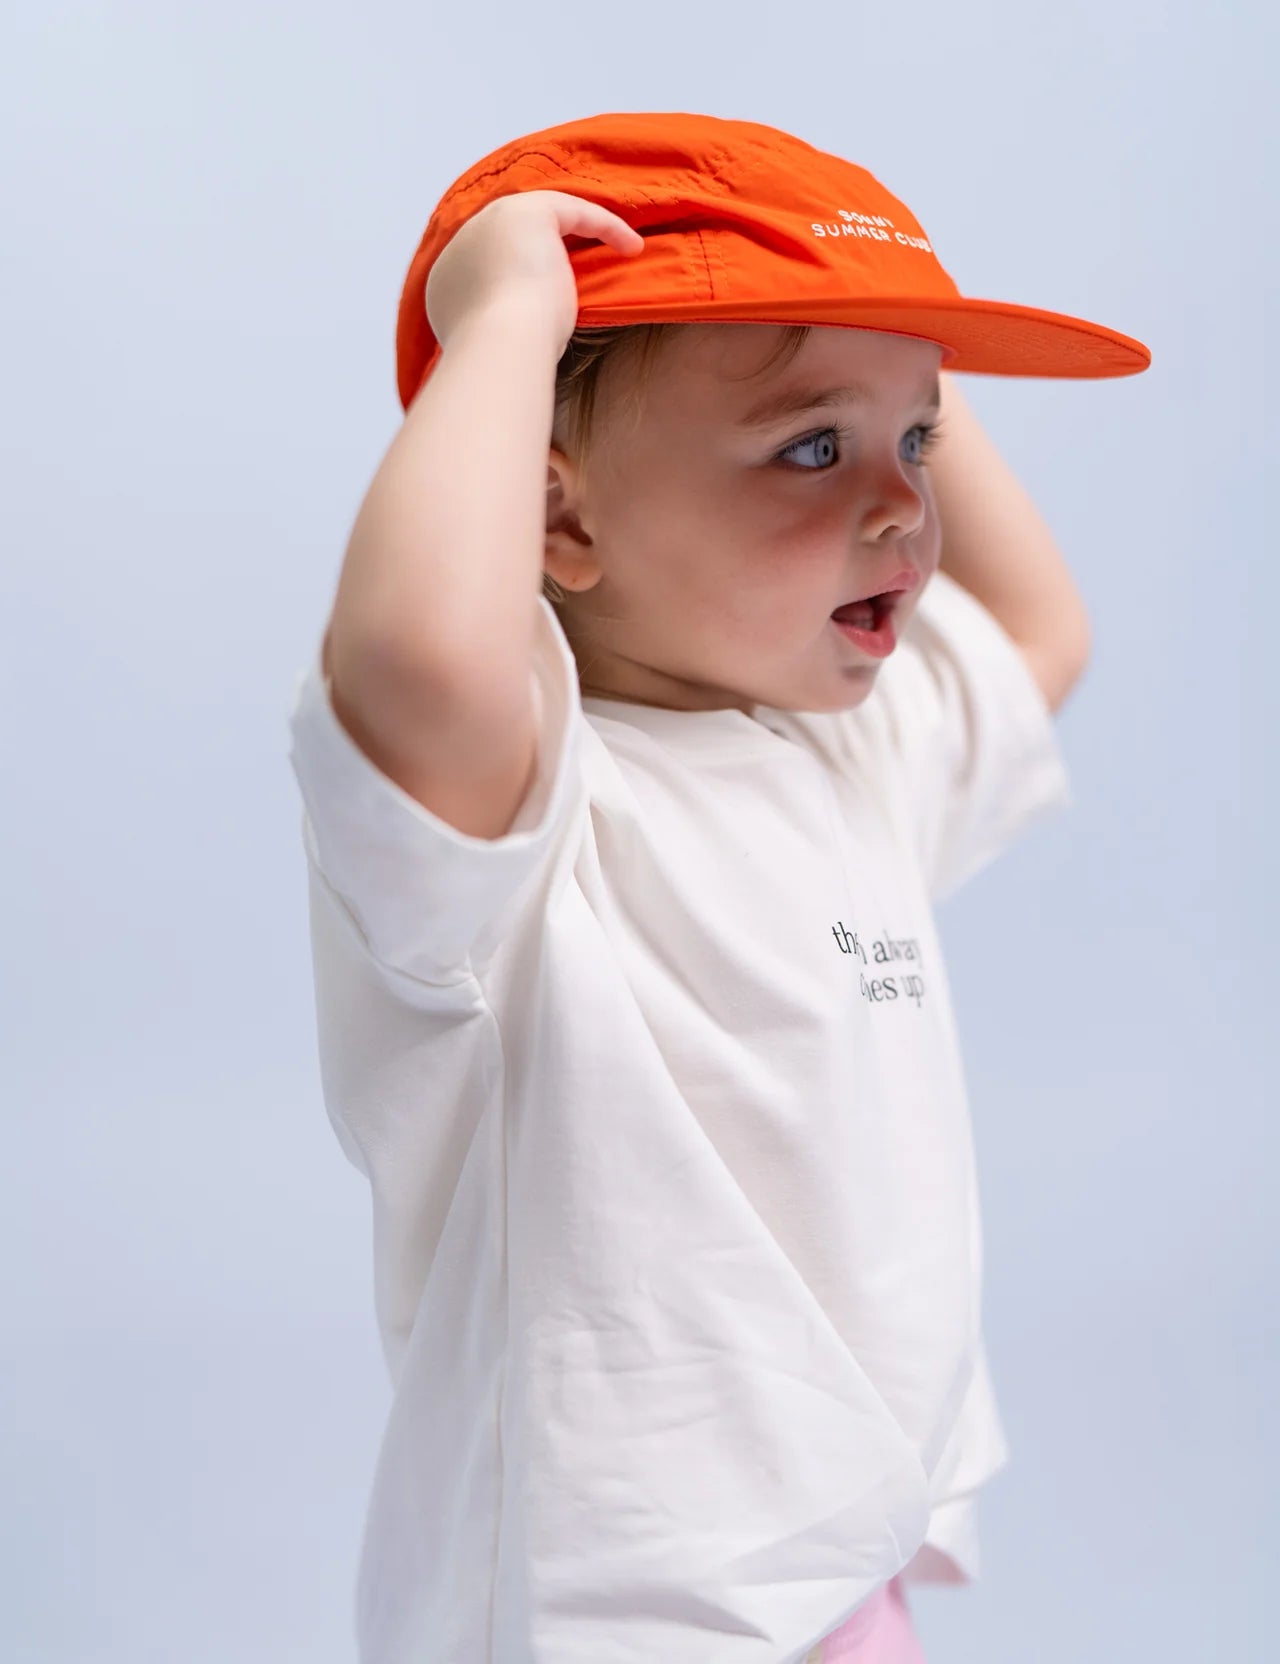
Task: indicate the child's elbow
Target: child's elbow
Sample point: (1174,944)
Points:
(1058,664)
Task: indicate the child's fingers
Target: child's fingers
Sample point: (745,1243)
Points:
(580,218)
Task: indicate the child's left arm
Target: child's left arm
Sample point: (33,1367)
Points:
(996,545)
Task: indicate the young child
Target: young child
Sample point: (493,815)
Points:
(629,997)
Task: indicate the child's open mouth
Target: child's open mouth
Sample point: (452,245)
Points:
(868,624)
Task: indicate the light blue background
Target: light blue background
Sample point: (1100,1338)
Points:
(207,217)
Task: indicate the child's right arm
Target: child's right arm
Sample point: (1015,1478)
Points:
(430,644)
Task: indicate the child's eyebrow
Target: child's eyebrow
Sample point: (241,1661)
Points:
(792,401)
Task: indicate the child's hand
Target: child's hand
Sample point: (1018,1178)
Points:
(513,247)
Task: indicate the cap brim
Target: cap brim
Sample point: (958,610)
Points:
(985,337)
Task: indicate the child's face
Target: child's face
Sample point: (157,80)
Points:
(701,570)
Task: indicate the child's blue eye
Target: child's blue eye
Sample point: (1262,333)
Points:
(825,438)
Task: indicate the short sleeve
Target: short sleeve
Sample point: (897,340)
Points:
(423,894)
(972,733)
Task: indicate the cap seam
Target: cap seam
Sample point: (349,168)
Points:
(560,163)
(706,266)
(566,163)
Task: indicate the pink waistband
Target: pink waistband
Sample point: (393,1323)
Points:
(879,1632)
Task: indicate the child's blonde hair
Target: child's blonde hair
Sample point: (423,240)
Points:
(635,347)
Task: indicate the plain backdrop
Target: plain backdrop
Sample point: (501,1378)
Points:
(207,216)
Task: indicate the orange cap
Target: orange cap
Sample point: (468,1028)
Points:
(744,223)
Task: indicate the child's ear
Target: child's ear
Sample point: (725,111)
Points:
(568,552)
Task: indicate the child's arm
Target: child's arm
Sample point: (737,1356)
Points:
(433,691)
(996,545)
(430,647)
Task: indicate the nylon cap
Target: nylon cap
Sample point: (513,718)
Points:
(746,223)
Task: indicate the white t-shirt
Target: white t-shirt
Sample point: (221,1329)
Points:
(676,1236)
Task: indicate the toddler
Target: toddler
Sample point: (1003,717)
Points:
(691,641)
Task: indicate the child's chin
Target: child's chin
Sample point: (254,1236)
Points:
(857,683)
